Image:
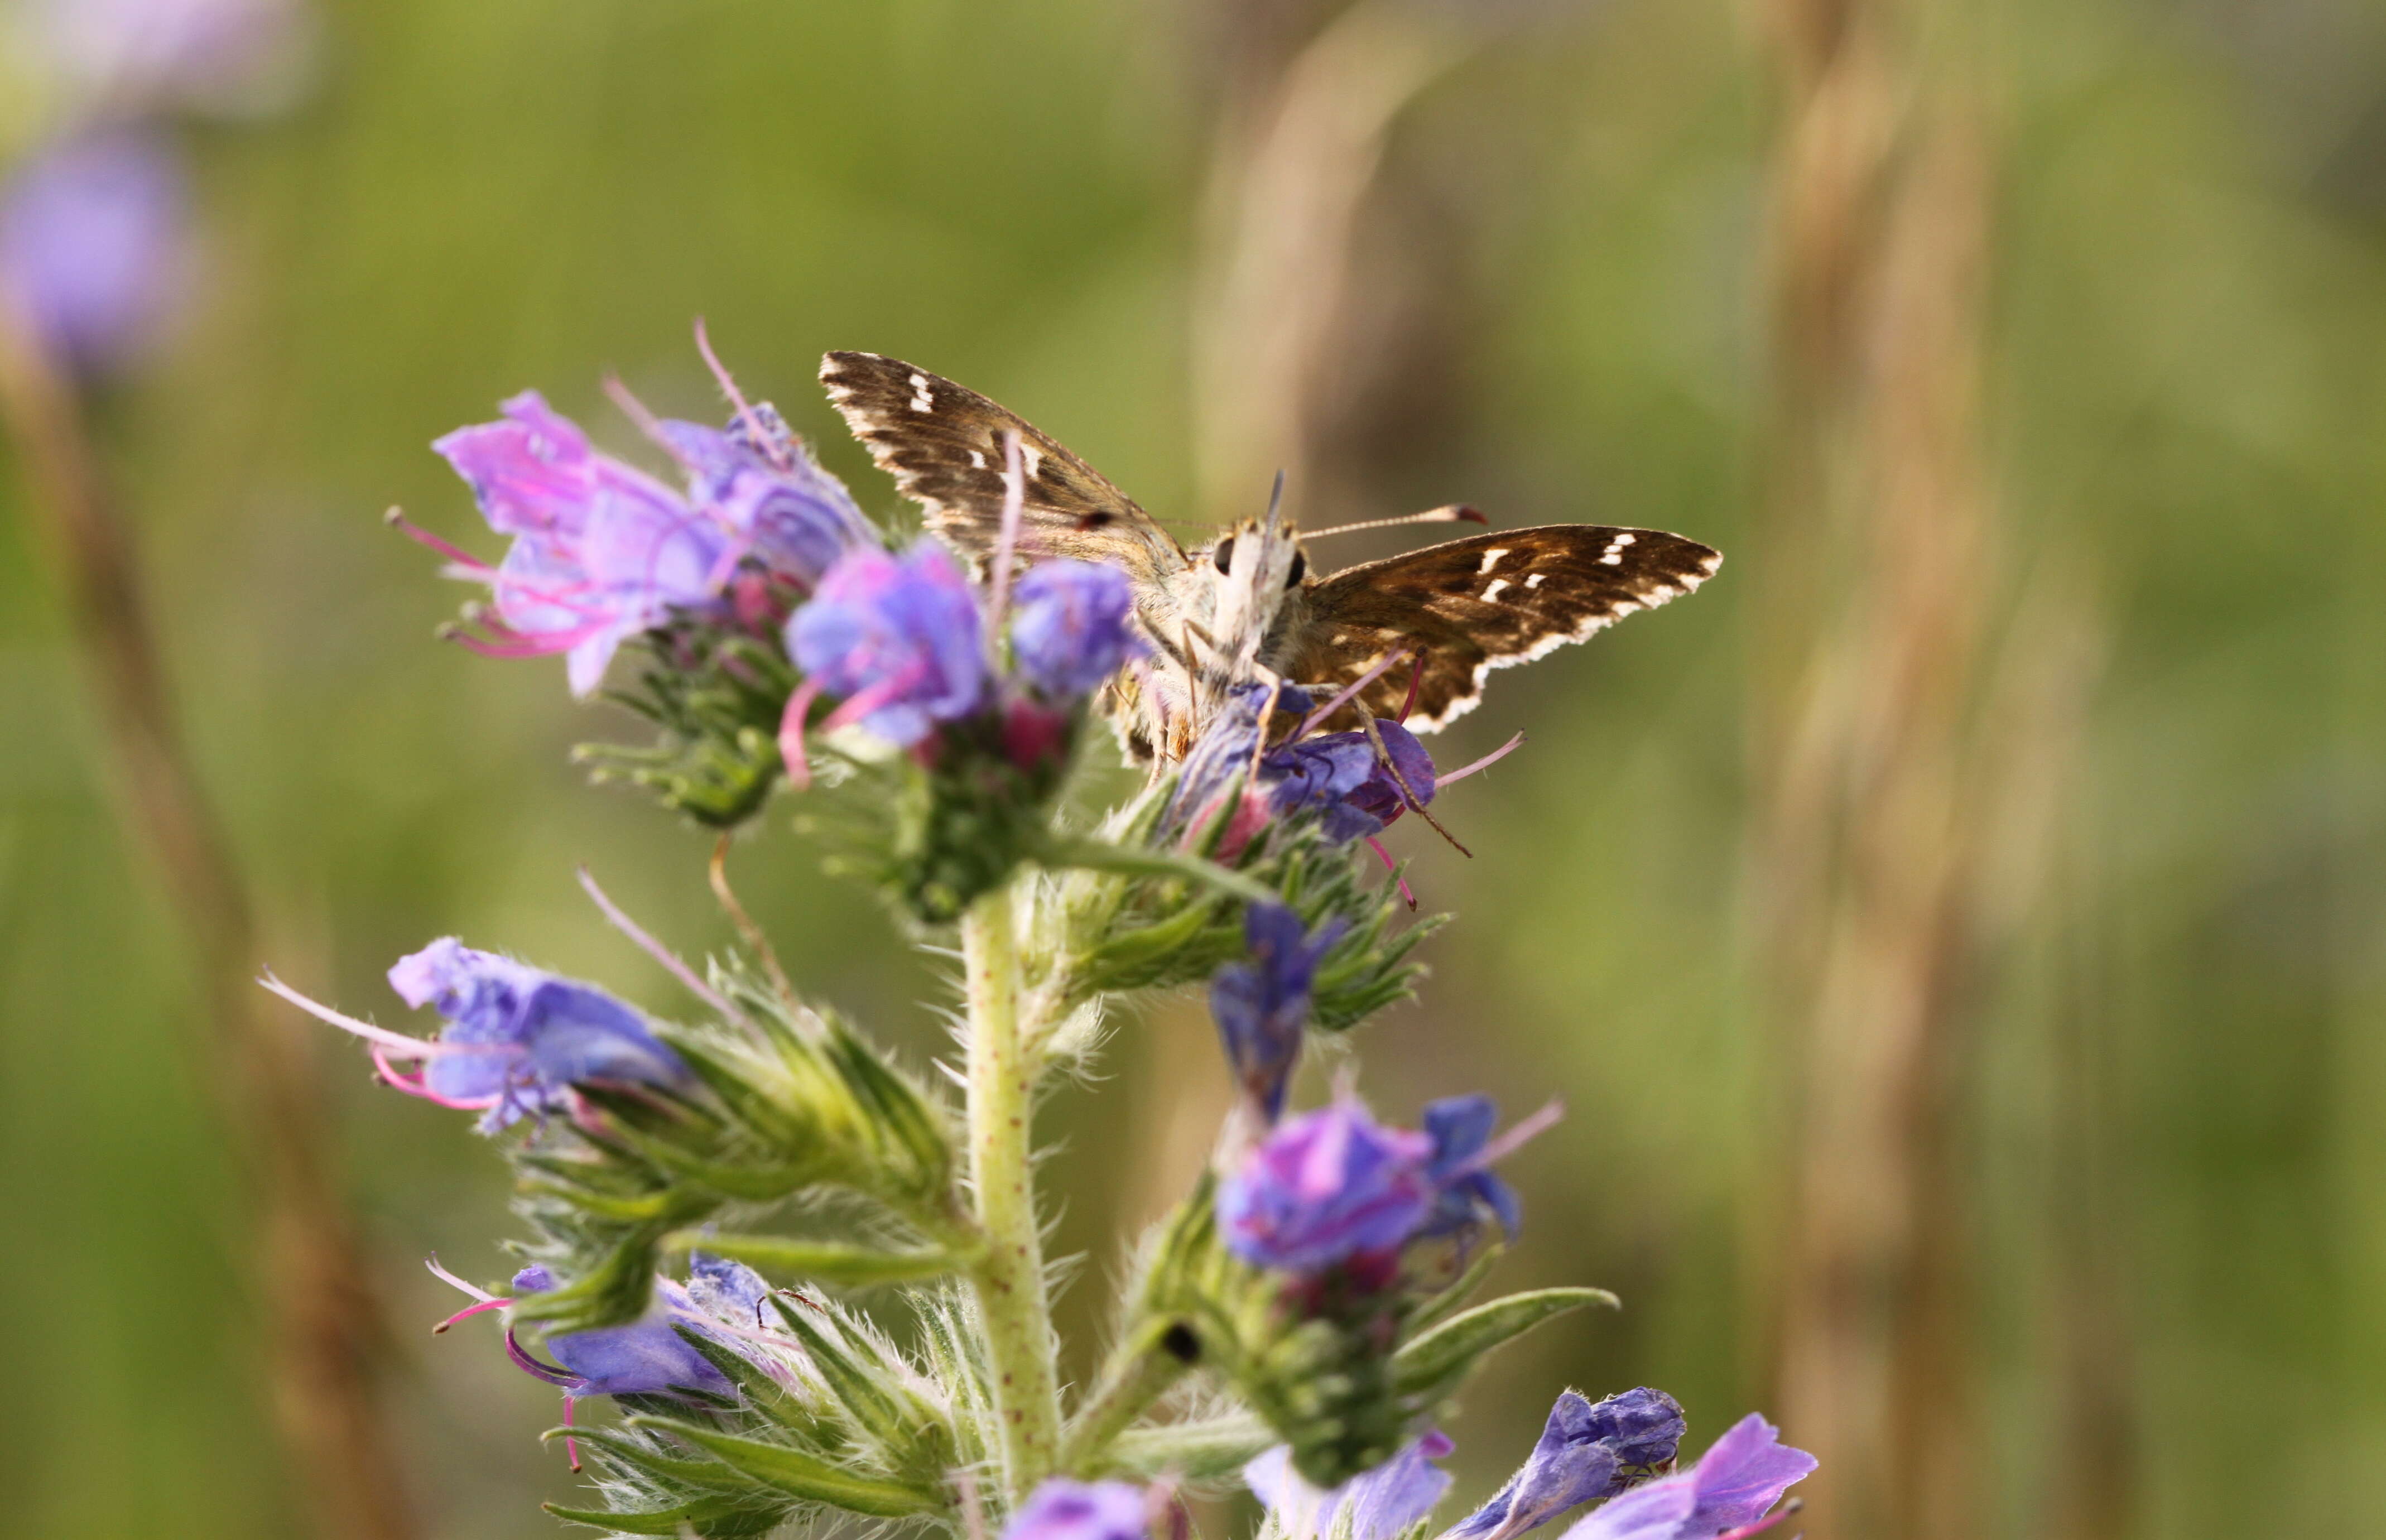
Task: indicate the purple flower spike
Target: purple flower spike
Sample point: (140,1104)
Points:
(95,249)
(1460,1128)
(1327,1187)
(1070,627)
(1063,1509)
(1379,1505)
(1586,1453)
(1262,1005)
(518,1039)
(1731,1488)
(898,639)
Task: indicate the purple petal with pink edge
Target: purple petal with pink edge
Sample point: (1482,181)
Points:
(899,636)
(531,472)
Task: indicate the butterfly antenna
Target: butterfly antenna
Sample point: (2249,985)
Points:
(1408,793)
(1275,501)
(1456,513)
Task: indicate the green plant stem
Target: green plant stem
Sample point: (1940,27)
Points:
(1010,1276)
(1138,1374)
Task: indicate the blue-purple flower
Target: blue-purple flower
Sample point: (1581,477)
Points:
(1071,627)
(1063,1509)
(1464,1182)
(1262,1004)
(95,249)
(644,1357)
(1327,1187)
(1586,1453)
(1727,1493)
(896,638)
(1354,791)
(1377,1505)
(517,1039)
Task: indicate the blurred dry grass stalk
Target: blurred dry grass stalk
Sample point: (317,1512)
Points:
(318,1307)
(1913,714)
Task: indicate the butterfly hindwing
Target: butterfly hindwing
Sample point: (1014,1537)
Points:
(943,444)
(1490,601)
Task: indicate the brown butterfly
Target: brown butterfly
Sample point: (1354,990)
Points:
(1248,603)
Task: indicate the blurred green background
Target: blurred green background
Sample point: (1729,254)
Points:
(2172,1116)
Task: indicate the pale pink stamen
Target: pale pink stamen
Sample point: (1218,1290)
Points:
(1322,712)
(468,1311)
(1484,763)
(415,1085)
(862,703)
(791,734)
(472,564)
(1391,865)
(729,388)
(571,1445)
(395,1042)
(1416,681)
(1509,1142)
(453,1282)
(1006,543)
(1792,1506)
(644,943)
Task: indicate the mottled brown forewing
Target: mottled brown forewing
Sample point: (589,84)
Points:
(1487,602)
(943,444)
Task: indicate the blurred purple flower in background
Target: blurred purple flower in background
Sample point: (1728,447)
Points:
(1329,1186)
(1070,627)
(1729,1491)
(1379,1505)
(95,249)
(1064,1510)
(896,638)
(134,56)
(1262,1005)
(1586,1453)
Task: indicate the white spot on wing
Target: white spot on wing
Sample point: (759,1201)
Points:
(1032,458)
(1535,581)
(1491,559)
(1610,559)
(977,460)
(1491,590)
(922,401)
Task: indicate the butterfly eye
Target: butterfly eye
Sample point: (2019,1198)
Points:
(1222,558)
(1299,568)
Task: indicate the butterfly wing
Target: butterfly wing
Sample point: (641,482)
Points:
(1487,602)
(943,444)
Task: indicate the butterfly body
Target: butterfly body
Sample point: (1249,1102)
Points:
(1249,605)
